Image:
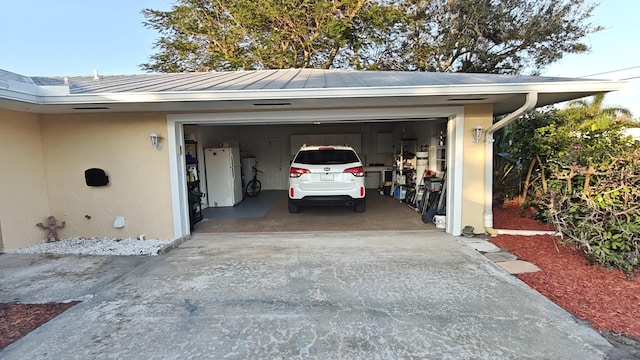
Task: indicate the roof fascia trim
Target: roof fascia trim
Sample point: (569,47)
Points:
(20,96)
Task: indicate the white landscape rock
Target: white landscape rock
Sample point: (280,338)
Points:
(96,246)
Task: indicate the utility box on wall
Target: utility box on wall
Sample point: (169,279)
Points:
(96,177)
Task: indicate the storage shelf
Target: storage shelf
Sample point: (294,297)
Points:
(405,167)
(194,195)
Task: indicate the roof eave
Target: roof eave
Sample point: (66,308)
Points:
(592,87)
(504,96)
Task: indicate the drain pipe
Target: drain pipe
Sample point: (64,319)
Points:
(530,103)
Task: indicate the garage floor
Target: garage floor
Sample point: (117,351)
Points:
(268,212)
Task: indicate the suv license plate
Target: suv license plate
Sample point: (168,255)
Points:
(326,177)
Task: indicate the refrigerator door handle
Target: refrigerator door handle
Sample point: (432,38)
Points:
(233,168)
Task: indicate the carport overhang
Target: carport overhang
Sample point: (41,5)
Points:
(304,106)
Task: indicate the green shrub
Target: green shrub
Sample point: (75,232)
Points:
(594,194)
(579,172)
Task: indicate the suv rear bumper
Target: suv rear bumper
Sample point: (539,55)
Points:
(334,200)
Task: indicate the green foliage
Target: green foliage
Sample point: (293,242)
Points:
(583,109)
(592,172)
(597,204)
(528,143)
(507,36)
(502,36)
(252,34)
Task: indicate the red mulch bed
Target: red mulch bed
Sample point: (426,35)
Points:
(17,320)
(512,217)
(605,298)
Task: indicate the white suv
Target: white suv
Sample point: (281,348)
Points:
(326,176)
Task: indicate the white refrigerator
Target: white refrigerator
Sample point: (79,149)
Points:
(223,172)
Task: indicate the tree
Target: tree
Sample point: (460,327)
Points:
(583,109)
(201,35)
(494,36)
(488,36)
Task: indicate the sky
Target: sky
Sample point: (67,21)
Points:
(76,37)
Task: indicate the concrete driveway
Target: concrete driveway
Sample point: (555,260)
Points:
(359,295)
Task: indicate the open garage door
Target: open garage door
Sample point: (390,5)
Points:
(269,139)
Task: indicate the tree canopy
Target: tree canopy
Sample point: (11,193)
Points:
(491,36)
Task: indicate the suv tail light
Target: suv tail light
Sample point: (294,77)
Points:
(297,172)
(355,171)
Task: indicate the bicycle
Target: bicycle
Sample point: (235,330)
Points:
(254,186)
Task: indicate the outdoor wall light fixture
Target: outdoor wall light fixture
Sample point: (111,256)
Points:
(477,133)
(155,141)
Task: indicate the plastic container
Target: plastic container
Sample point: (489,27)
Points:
(440,221)
(422,158)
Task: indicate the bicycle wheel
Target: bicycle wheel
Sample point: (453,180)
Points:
(253,188)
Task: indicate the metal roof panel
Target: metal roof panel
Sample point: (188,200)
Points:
(294,88)
(286,79)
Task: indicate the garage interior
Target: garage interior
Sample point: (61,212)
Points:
(393,153)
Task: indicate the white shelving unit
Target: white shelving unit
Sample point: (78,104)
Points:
(440,139)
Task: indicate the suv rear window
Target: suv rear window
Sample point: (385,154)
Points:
(322,157)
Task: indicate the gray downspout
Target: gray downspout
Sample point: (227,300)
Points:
(530,104)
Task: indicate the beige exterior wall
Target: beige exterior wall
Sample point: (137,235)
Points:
(139,187)
(474,166)
(44,158)
(23,194)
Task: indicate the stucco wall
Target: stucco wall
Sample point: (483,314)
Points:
(474,166)
(44,158)
(139,187)
(23,195)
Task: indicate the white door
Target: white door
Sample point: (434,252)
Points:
(270,161)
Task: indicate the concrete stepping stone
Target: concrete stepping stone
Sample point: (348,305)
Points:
(518,266)
(481,245)
(501,256)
